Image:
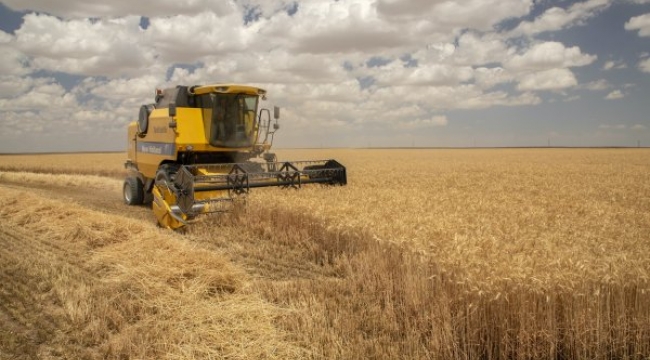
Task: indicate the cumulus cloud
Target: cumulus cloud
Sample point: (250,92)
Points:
(345,26)
(68,9)
(474,49)
(184,38)
(640,23)
(553,79)
(614,64)
(13,62)
(614,95)
(489,77)
(12,86)
(425,75)
(338,66)
(549,55)
(4,37)
(623,127)
(644,65)
(434,121)
(557,18)
(445,16)
(612,126)
(44,94)
(597,85)
(84,47)
(120,89)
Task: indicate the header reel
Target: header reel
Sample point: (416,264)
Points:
(209,188)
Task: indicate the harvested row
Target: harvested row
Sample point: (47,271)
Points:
(80,284)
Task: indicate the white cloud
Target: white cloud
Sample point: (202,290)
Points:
(85,47)
(13,62)
(116,8)
(640,23)
(614,95)
(275,67)
(489,77)
(4,37)
(43,95)
(338,66)
(120,89)
(614,64)
(434,121)
(620,126)
(424,75)
(549,55)
(479,50)
(445,16)
(553,79)
(644,65)
(440,98)
(186,38)
(557,18)
(344,26)
(12,86)
(42,105)
(612,126)
(597,85)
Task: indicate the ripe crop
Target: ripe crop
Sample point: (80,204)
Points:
(526,253)
(488,253)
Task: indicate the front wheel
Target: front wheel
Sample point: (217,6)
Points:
(133,191)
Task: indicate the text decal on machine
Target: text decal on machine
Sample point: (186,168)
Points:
(156,148)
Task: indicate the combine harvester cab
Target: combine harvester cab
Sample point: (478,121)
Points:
(197,148)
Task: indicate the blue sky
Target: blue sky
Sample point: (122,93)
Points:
(346,73)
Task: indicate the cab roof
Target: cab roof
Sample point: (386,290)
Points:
(184,96)
(227,89)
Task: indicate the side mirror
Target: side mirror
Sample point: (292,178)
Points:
(172,109)
(276,112)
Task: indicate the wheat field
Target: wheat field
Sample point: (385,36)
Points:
(427,253)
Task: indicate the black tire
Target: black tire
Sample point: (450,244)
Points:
(133,191)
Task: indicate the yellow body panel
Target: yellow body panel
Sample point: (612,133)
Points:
(162,143)
(191,128)
(187,137)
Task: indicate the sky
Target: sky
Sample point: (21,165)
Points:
(346,73)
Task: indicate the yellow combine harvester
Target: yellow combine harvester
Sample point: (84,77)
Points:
(197,148)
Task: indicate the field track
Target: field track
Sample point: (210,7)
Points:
(108,200)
